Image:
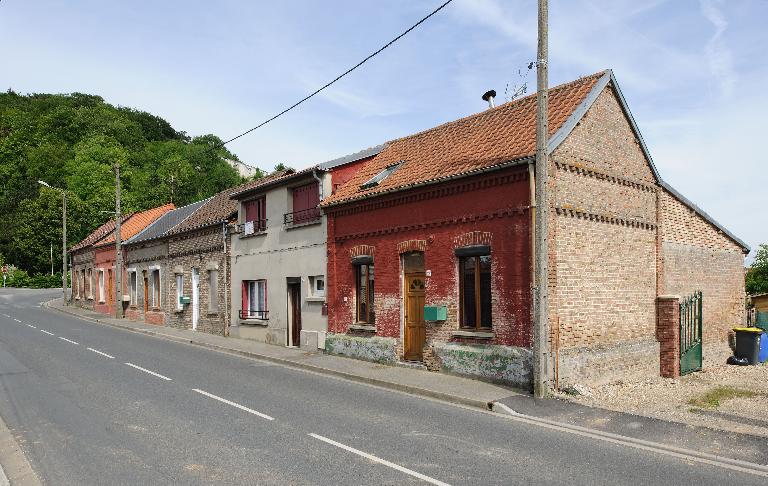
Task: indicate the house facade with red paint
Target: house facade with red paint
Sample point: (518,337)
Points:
(430,247)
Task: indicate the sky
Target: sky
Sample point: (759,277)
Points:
(693,72)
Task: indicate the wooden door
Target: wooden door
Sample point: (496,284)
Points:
(146,294)
(110,291)
(294,290)
(415,328)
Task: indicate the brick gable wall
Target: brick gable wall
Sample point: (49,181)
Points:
(697,256)
(602,250)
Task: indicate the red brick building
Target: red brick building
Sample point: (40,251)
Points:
(430,246)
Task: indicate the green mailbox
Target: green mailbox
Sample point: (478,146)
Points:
(184,300)
(435,312)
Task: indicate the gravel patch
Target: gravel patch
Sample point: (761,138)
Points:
(668,399)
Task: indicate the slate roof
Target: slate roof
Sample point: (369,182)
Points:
(99,233)
(490,138)
(137,222)
(165,223)
(220,207)
(363,154)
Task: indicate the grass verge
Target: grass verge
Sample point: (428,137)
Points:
(713,397)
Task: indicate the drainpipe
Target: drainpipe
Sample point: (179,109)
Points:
(319,183)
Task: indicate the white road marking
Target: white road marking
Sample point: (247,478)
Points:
(68,340)
(148,371)
(99,352)
(16,320)
(236,405)
(379,460)
(49,333)
(30,325)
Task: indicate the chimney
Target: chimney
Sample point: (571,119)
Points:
(489,96)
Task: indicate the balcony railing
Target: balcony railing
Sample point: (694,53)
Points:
(252,227)
(302,217)
(248,314)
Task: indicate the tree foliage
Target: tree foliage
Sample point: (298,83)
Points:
(73,142)
(757,274)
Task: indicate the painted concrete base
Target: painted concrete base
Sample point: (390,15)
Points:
(608,364)
(501,364)
(377,349)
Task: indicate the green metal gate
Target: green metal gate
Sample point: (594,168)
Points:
(690,333)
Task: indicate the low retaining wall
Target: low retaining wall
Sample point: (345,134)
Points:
(376,349)
(607,364)
(507,365)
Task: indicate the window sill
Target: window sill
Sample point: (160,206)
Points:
(243,236)
(253,322)
(362,327)
(291,226)
(212,313)
(474,334)
(314,299)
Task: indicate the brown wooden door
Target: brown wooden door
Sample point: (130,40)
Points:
(146,294)
(110,291)
(415,328)
(295,310)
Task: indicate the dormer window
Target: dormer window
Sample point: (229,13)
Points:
(375,180)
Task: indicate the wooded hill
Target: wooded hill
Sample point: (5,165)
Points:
(72,142)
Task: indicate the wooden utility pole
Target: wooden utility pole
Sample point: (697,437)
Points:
(64,245)
(541,312)
(118,249)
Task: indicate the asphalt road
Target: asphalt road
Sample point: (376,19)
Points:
(98,405)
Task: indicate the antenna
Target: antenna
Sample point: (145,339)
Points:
(520,87)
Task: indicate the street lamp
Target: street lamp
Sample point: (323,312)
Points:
(64,238)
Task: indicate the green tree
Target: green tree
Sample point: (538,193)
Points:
(757,275)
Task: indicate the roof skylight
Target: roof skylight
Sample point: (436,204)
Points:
(375,180)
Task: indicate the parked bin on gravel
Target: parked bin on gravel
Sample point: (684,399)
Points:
(748,343)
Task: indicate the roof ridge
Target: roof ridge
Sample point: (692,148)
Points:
(505,105)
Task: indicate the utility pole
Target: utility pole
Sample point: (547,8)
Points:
(541,313)
(118,249)
(64,246)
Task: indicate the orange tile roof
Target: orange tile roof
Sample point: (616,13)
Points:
(479,141)
(137,222)
(98,234)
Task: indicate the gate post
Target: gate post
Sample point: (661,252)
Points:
(668,334)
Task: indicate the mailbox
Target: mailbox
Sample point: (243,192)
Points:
(435,312)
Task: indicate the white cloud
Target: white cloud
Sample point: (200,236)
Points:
(719,56)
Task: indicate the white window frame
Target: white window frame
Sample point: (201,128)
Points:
(179,291)
(213,291)
(133,286)
(313,290)
(102,276)
(258,305)
(90,283)
(155,288)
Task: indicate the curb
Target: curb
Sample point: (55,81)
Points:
(411,390)
(14,467)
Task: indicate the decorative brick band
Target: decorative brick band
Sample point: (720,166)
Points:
(361,250)
(507,212)
(589,172)
(411,245)
(473,238)
(603,218)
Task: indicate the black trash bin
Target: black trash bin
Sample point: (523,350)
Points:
(748,343)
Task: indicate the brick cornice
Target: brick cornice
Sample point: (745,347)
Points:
(604,218)
(418,195)
(587,171)
(501,213)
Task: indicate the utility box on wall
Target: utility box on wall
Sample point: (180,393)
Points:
(185,300)
(435,313)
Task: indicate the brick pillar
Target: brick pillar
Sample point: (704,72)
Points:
(668,334)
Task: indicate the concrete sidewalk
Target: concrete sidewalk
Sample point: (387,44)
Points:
(440,386)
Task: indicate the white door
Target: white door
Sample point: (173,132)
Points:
(195,297)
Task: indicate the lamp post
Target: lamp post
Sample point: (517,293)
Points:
(64,238)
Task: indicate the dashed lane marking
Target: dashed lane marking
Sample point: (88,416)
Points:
(68,340)
(148,371)
(236,405)
(49,333)
(379,460)
(30,325)
(101,353)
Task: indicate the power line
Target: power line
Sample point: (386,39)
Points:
(337,77)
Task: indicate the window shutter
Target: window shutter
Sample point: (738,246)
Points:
(245,296)
(251,213)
